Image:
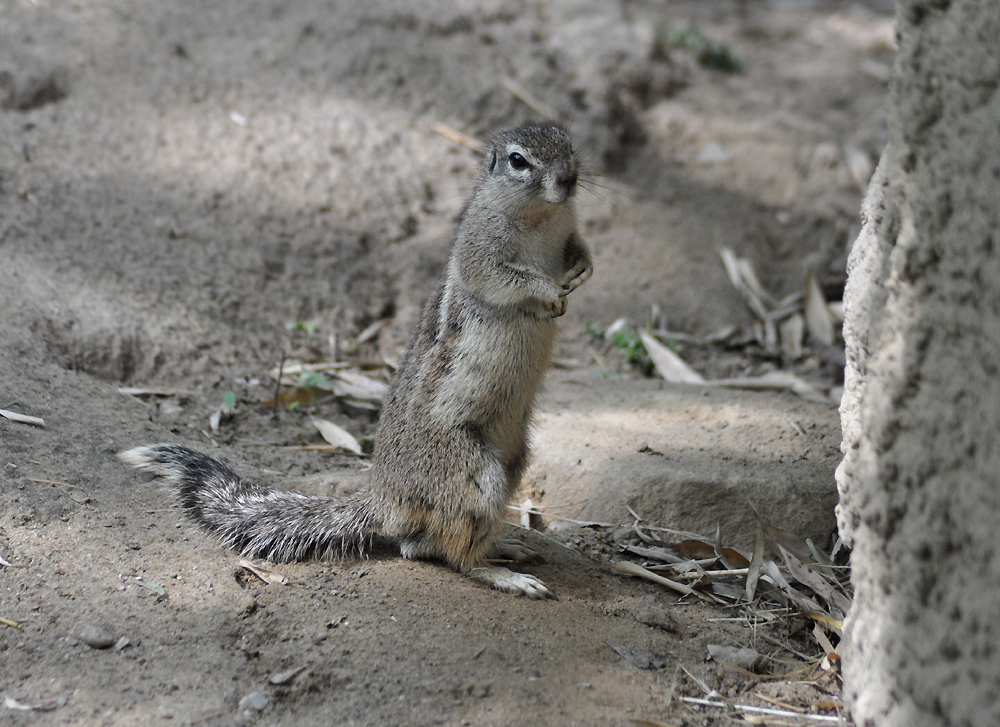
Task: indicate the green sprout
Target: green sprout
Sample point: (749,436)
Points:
(630,345)
(708,53)
(313,380)
(308,327)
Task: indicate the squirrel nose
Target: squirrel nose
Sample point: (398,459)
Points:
(567,178)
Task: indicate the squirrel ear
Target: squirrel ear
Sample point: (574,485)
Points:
(493,160)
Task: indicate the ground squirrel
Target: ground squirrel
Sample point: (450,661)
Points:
(451,443)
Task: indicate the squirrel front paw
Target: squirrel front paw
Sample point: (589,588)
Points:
(577,275)
(558,307)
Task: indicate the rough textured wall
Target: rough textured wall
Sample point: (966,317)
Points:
(920,481)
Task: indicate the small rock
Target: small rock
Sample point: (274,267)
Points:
(286,677)
(639,657)
(744,658)
(248,605)
(97,638)
(122,643)
(713,153)
(647,611)
(255,701)
(621,535)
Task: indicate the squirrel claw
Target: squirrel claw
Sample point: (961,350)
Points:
(578,276)
(506,580)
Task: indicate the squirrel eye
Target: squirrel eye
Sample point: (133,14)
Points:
(517,161)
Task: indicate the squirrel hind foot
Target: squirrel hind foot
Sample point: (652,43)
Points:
(520,584)
(514,550)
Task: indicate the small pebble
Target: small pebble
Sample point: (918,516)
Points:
(648,611)
(286,677)
(254,700)
(744,658)
(97,638)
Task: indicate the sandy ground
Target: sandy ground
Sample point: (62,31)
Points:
(180,183)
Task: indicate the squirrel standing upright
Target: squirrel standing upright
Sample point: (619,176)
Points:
(451,443)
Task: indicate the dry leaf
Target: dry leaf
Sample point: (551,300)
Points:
(668,364)
(859,164)
(359,388)
(151,585)
(792,329)
(373,330)
(139,391)
(823,640)
(655,553)
(695,549)
(774,381)
(826,620)
(742,276)
(749,277)
(265,574)
(703,550)
(839,603)
(801,600)
(337,436)
(300,395)
(818,319)
(756,561)
(22,418)
(789,541)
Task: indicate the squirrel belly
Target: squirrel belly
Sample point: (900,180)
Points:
(452,440)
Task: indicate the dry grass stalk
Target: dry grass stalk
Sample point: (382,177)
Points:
(458,137)
(529,99)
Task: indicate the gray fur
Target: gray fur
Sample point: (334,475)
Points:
(451,445)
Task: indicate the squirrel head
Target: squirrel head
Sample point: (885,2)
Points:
(529,169)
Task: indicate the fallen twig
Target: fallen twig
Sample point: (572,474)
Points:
(581,523)
(631,569)
(766,710)
(458,137)
(52,482)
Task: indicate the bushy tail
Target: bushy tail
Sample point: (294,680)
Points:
(260,522)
